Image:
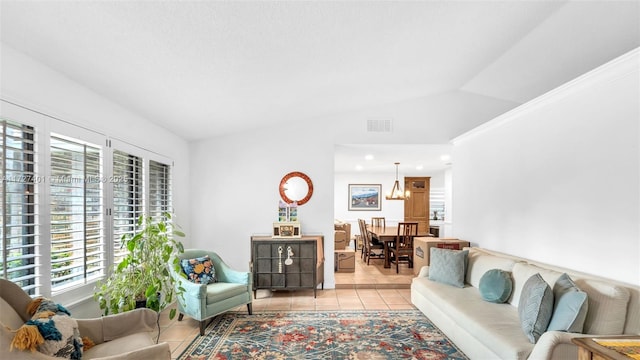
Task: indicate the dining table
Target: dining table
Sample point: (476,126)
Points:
(387,235)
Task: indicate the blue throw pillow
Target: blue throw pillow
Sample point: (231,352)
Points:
(448,266)
(535,307)
(199,270)
(496,286)
(570,306)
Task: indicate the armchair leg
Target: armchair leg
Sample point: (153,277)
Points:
(250,308)
(202,326)
(180,316)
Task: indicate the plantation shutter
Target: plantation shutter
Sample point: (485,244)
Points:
(127,198)
(18,197)
(159,189)
(77,240)
(436,204)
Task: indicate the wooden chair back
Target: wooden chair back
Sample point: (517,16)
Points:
(378,222)
(367,244)
(403,245)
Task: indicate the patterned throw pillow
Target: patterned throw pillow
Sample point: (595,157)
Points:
(199,270)
(448,266)
(51,330)
(535,307)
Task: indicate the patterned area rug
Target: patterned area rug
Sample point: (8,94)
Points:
(375,335)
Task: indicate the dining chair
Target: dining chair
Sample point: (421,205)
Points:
(378,222)
(370,248)
(402,249)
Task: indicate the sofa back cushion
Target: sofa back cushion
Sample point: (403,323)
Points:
(9,317)
(607,311)
(480,262)
(522,272)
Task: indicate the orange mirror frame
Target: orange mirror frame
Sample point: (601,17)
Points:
(283,187)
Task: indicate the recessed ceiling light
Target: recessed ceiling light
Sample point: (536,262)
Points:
(359,167)
(445,157)
(368,157)
(419,167)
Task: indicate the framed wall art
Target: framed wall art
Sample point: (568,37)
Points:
(365,197)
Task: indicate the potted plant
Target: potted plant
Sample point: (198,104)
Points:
(142,276)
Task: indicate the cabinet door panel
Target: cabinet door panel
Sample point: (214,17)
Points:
(278,281)
(264,280)
(307,265)
(307,250)
(263,265)
(293,280)
(307,280)
(263,250)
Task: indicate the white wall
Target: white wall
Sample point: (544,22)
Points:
(557,180)
(235,178)
(37,87)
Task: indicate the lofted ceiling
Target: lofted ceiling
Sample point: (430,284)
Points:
(207,68)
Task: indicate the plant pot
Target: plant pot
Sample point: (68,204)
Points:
(142,303)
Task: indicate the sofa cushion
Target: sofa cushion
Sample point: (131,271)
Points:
(607,307)
(569,306)
(199,270)
(497,326)
(496,285)
(535,307)
(481,262)
(219,291)
(522,272)
(120,346)
(448,266)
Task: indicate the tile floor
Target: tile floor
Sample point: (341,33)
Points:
(375,275)
(370,287)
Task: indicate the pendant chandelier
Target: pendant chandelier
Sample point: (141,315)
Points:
(396,192)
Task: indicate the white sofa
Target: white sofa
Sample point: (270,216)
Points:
(485,330)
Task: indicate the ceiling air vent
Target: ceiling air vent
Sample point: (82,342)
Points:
(379,125)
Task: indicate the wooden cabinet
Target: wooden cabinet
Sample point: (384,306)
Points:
(287,264)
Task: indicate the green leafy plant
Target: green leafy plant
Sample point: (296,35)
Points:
(143,273)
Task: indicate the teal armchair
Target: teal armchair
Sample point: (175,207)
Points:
(203,302)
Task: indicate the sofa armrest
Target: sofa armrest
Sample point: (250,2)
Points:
(547,343)
(424,272)
(155,351)
(111,327)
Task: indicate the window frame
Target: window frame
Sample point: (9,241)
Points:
(44,126)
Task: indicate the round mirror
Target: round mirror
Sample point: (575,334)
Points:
(296,186)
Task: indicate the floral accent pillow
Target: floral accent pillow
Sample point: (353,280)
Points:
(199,270)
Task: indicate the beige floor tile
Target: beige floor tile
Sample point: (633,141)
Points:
(376,306)
(351,307)
(401,306)
(177,333)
